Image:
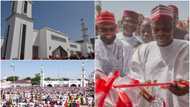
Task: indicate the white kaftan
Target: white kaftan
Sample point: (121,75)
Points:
(164,64)
(111,57)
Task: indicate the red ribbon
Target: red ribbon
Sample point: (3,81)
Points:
(123,100)
(142,85)
(162,85)
(105,85)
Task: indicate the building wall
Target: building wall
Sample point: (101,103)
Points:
(35,40)
(5,84)
(42,43)
(14,44)
(53,44)
(28,39)
(78,47)
(41,38)
(29,42)
(19,8)
(9,38)
(53,83)
(22,84)
(90,48)
(2,47)
(85,49)
(76,82)
(69,83)
(2,41)
(47,45)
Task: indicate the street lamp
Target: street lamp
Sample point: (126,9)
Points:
(13,70)
(83,78)
(42,76)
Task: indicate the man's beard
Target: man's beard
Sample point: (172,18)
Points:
(107,40)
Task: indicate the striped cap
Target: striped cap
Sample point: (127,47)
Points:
(161,12)
(105,17)
(174,9)
(130,13)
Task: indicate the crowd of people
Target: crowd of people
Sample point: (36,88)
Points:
(150,49)
(36,96)
(73,56)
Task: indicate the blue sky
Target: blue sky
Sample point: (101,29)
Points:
(67,68)
(144,7)
(61,15)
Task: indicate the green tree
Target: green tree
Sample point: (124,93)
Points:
(48,79)
(12,78)
(27,78)
(36,79)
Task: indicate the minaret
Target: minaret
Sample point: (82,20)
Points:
(83,76)
(18,43)
(42,76)
(98,11)
(86,48)
(13,71)
(98,7)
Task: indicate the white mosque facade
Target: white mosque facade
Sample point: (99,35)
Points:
(68,83)
(46,83)
(82,82)
(24,42)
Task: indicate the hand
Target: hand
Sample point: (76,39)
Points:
(100,75)
(180,87)
(145,93)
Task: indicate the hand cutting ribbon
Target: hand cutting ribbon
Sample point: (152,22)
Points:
(103,86)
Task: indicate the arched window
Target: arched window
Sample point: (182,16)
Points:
(59,52)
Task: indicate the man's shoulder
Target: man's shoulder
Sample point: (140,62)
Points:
(122,39)
(119,35)
(97,41)
(147,47)
(152,43)
(118,43)
(122,43)
(181,43)
(181,48)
